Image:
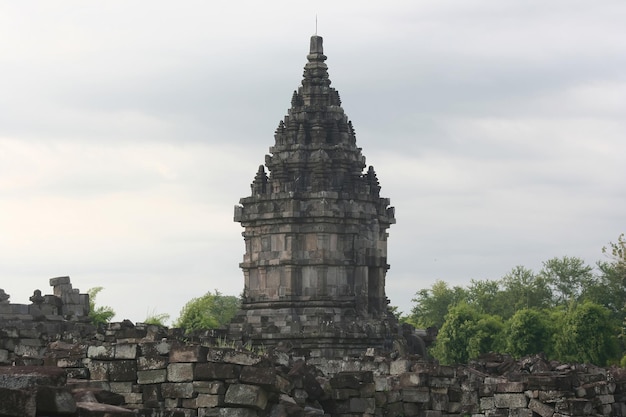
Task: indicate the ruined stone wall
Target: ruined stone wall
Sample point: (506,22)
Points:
(153,371)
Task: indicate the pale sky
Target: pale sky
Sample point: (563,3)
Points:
(130,129)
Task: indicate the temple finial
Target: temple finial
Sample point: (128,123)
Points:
(317,45)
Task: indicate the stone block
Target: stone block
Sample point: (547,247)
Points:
(180,372)
(606,399)
(99,410)
(172,403)
(209,412)
(209,387)
(154,349)
(98,370)
(415,395)
(237,412)
(246,395)
(342,394)
(510,400)
(510,387)
(520,412)
(69,362)
(54,400)
(101,352)
(351,379)
(126,351)
(211,371)
(441,381)
(362,405)
(208,401)
(151,395)
(469,399)
(399,367)
(393,396)
(121,387)
(544,410)
(550,396)
(410,409)
(28,351)
(123,370)
(383,383)
(188,353)
(282,384)
(549,382)
(154,376)
(258,375)
(177,390)
(439,401)
(412,379)
(132,398)
(487,403)
(233,356)
(145,363)
(367,390)
(575,407)
(17,402)
(77,373)
(381,399)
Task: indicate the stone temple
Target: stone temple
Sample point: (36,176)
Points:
(315,232)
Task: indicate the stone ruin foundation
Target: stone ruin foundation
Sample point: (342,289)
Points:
(124,369)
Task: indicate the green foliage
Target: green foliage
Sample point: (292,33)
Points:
(210,311)
(567,277)
(569,311)
(465,334)
(100,314)
(431,305)
(527,332)
(587,335)
(524,289)
(157,319)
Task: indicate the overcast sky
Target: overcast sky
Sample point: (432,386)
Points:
(130,129)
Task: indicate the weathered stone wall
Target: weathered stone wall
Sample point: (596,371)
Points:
(27,329)
(156,372)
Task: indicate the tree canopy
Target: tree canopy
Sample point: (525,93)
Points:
(210,311)
(568,310)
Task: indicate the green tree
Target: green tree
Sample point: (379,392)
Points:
(527,332)
(567,277)
(100,314)
(210,311)
(524,289)
(609,289)
(588,334)
(487,296)
(466,334)
(431,305)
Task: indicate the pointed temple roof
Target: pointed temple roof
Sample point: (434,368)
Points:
(315,147)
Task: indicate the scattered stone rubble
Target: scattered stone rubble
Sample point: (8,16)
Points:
(150,371)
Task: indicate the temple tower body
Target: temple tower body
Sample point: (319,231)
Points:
(315,232)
